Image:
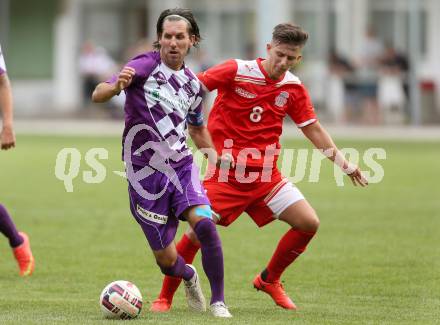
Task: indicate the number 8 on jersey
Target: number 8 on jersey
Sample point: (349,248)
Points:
(256,114)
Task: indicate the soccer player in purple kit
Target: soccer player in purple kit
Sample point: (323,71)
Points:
(18,241)
(163,100)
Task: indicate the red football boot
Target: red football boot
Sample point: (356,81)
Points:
(276,291)
(24,257)
(160,305)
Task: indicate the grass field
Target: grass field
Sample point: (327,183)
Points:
(375,260)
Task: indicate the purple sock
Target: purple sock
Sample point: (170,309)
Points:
(212,257)
(179,269)
(8,229)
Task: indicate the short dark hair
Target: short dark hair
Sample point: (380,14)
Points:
(186,15)
(291,34)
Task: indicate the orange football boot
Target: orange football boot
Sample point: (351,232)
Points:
(160,305)
(24,257)
(276,291)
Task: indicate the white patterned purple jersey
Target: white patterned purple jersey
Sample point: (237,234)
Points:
(2,62)
(159,104)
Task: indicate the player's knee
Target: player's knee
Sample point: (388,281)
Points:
(204,227)
(206,232)
(165,262)
(310,223)
(313,223)
(164,265)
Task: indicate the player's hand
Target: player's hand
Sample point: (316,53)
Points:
(7,138)
(354,173)
(225,161)
(357,178)
(125,78)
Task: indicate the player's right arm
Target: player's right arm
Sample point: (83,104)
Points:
(323,141)
(219,76)
(7,136)
(302,112)
(7,132)
(105,91)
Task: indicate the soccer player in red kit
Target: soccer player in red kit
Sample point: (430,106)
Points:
(246,120)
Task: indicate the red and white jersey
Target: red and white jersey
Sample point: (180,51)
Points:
(250,108)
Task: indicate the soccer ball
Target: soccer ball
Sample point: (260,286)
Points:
(121,300)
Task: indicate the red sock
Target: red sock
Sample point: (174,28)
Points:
(188,250)
(293,243)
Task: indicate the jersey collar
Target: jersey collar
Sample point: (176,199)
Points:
(268,79)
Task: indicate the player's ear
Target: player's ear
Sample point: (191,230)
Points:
(268,48)
(192,39)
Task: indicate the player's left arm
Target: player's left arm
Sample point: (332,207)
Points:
(201,137)
(203,141)
(323,141)
(7,132)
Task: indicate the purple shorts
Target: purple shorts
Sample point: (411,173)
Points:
(158,201)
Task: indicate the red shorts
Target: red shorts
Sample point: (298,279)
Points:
(262,201)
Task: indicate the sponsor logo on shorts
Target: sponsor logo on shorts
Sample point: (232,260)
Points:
(152,216)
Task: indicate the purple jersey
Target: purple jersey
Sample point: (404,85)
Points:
(2,62)
(159,103)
